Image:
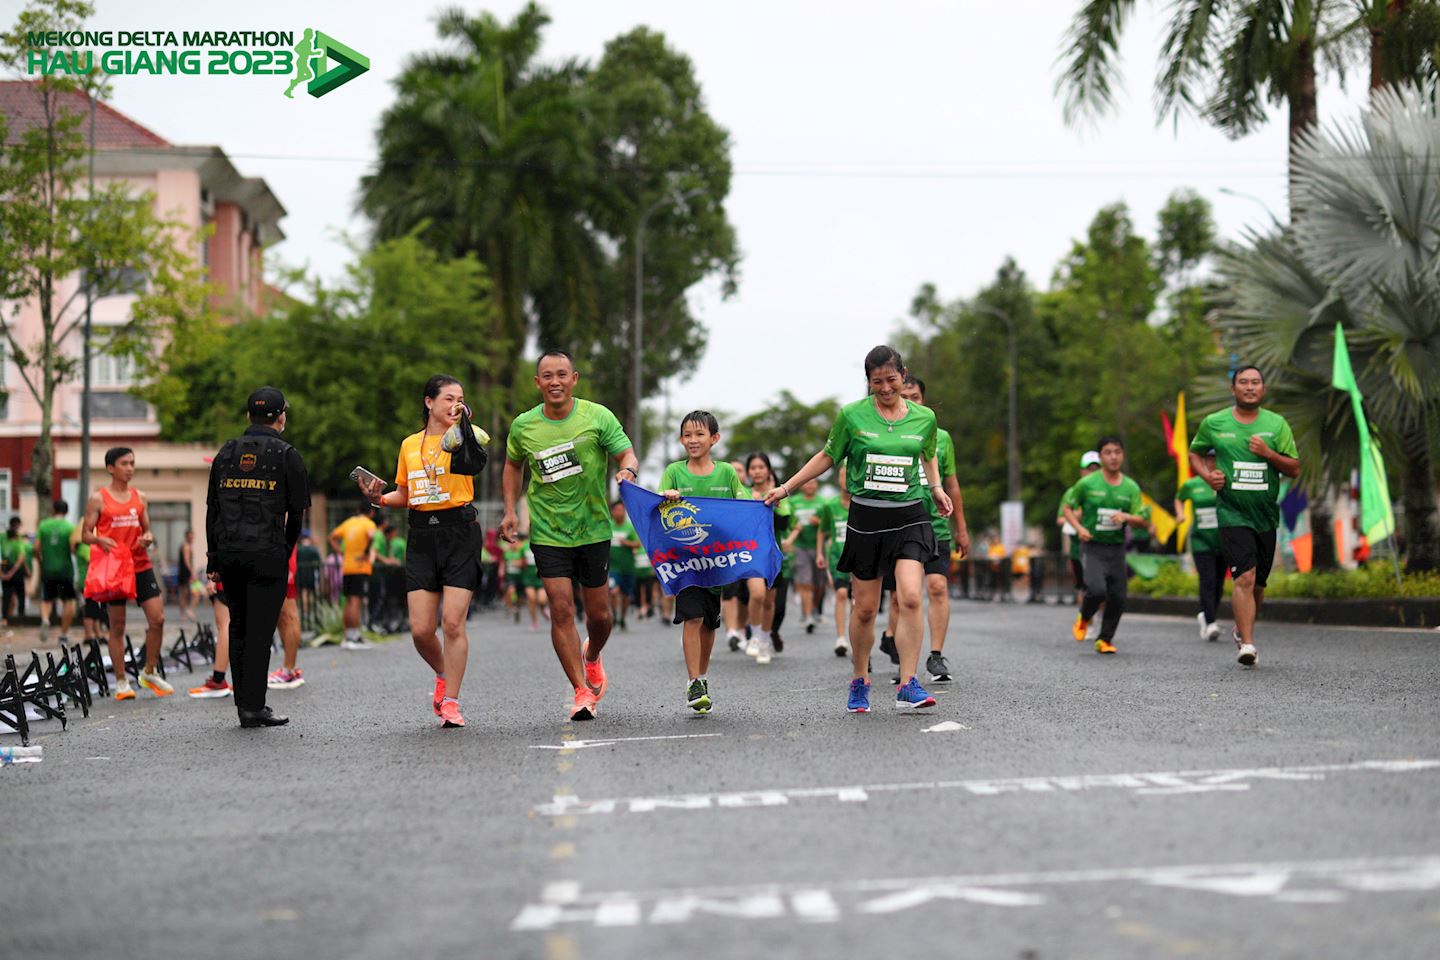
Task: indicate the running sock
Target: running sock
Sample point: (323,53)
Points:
(217,676)
(454,700)
(352,633)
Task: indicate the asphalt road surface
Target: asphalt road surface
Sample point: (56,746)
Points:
(1163,802)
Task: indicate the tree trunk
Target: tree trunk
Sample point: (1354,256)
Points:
(1379,68)
(1304,108)
(42,464)
(1422,517)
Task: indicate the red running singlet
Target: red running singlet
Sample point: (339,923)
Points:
(120,521)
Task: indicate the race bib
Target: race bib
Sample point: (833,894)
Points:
(558,462)
(887,473)
(425,490)
(1106,519)
(1205,518)
(1249,475)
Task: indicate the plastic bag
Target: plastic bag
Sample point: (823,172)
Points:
(111,575)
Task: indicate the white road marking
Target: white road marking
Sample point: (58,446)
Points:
(1140,784)
(582,744)
(1315,882)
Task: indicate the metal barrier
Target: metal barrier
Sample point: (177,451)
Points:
(1047,580)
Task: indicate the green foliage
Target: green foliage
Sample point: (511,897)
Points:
(330,626)
(1097,355)
(1363,253)
(1377,580)
(52,229)
(352,362)
(541,171)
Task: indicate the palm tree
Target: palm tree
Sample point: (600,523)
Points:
(1365,252)
(1229,60)
(489,153)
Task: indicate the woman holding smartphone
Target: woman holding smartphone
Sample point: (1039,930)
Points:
(442,557)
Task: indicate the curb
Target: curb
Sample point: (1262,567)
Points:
(1414,612)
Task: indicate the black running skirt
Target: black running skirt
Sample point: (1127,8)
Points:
(875,537)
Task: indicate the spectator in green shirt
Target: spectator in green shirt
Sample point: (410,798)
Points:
(13,563)
(54,543)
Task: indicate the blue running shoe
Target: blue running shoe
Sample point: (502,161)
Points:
(859,697)
(912,696)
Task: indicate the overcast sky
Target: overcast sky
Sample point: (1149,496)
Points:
(919,141)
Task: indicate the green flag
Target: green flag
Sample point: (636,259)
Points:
(1377,519)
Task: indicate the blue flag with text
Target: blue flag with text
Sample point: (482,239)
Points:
(703,541)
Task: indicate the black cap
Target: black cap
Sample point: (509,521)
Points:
(267,403)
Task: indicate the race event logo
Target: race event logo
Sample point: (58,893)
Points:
(240,53)
(247,462)
(679,519)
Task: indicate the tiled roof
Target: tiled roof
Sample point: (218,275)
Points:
(21,106)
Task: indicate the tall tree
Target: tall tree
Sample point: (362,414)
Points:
(356,356)
(1366,254)
(540,170)
(53,230)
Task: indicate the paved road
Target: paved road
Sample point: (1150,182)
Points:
(1162,802)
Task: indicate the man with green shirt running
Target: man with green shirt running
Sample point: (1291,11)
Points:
(1099,507)
(806,575)
(1204,545)
(55,548)
(1254,448)
(567,443)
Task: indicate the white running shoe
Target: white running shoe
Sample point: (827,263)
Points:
(1212,632)
(766,651)
(359,643)
(1094,632)
(1249,656)
(842,646)
(752,646)
(1204,627)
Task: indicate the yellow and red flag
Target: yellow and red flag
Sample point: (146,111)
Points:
(1179,448)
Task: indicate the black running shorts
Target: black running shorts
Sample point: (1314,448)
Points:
(590,564)
(61,588)
(146,588)
(698,603)
(876,537)
(1246,549)
(354,585)
(443,550)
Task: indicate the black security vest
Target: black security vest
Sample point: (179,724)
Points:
(250,475)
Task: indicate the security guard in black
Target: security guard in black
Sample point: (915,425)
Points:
(254,511)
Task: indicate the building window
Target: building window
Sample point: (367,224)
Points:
(118,406)
(5,508)
(108,370)
(4,381)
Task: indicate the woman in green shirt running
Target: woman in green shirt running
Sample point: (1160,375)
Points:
(888,446)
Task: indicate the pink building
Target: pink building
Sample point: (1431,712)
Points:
(194,186)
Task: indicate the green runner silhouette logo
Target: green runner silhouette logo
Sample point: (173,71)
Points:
(311,53)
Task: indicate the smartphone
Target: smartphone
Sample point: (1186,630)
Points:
(360,473)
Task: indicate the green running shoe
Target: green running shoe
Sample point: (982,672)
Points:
(697,697)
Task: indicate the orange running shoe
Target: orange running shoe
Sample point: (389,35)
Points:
(586,704)
(450,714)
(1080,628)
(1104,646)
(595,677)
(123,691)
(439,693)
(155,684)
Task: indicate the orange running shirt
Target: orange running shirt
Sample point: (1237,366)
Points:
(420,456)
(355,536)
